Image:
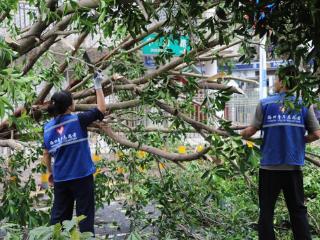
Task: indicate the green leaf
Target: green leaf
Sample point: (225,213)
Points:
(86,236)
(80,218)
(221,13)
(69,224)
(134,236)
(57,231)
(75,234)
(205,174)
(102,17)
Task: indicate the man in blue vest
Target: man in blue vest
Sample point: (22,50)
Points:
(283,152)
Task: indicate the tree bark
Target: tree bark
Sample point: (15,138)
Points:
(152,150)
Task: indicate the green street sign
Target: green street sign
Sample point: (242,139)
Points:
(177,47)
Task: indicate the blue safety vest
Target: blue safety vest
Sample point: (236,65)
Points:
(283,132)
(68,144)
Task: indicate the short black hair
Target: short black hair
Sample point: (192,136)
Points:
(59,103)
(288,75)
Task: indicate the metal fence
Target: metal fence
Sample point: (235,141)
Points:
(241,108)
(22,18)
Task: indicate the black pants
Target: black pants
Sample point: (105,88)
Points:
(66,193)
(271,182)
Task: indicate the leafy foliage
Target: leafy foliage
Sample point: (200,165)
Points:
(17,203)
(213,200)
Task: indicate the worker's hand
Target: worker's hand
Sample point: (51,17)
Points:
(97,77)
(50,180)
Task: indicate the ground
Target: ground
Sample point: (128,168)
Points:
(112,222)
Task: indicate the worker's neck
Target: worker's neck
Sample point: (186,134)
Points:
(283,90)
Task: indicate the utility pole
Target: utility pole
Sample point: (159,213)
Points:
(263,89)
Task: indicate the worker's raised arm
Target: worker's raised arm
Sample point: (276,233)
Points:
(101,104)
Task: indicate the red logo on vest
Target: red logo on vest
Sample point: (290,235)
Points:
(60,130)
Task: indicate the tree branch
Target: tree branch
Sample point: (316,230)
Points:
(192,122)
(211,58)
(172,64)
(4,15)
(217,86)
(309,158)
(242,79)
(45,46)
(47,88)
(215,51)
(152,150)
(143,10)
(110,106)
(129,42)
(207,53)
(13,144)
(31,37)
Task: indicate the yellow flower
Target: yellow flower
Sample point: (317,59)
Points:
(182,149)
(13,178)
(141,169)
(96,158)
(119,155)
(141,154)
(98,171)
(44,177)
(199,148)
(250,144)
(162,166)
(120,170)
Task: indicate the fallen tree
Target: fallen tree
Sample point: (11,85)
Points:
(150,110)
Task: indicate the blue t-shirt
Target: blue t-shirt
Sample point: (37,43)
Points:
(65,137)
